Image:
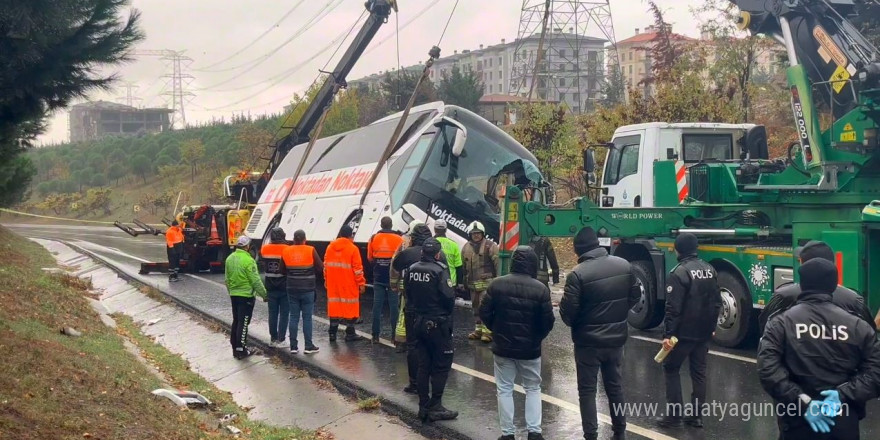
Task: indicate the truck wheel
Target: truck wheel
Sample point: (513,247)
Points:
(735,319)
(648,312)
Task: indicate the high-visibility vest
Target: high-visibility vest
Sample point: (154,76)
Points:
(299,261)
(343,275)
(173,236)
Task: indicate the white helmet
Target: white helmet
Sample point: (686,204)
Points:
(476,226)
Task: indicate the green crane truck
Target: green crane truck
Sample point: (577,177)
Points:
(717,182)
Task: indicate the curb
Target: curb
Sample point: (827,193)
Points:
(344,386)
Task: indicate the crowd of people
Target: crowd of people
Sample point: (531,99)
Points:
(818,351)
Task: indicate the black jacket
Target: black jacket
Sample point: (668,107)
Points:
(786,296)
(599,292)
(817,346)
(428,289)
(546,259)
(518,310)
(693,300)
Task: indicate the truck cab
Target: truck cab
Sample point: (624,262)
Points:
(628,176)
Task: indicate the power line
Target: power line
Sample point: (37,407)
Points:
(447,23)
(323,13)
(296,68)
(246,47)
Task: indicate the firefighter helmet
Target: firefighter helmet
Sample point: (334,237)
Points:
(476,226)
(277,235)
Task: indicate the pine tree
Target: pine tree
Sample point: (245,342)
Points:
(49,53)
(463,89)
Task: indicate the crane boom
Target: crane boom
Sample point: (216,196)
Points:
(379,11)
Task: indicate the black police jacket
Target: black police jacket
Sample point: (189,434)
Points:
(817,346)
(428,289)
(598,294)
(518,310)
(693,300)
(786,296)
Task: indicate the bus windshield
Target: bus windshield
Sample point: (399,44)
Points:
(471,186)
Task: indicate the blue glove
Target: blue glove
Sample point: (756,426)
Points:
(831,405)
(818,421)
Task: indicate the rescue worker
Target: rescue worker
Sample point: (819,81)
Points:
(480,259)
(276,285)
(399,265)
(817,350)
(174,243)
(242,282)
(546,259)
(302,264)
(430,300)
(451,251)
(693,301)
(786,296)
(518,310)
(599,293)
(345,282)
(380,250)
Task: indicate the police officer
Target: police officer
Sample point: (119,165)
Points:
(815,350)
(693,301)
(546,259)
(431,299)
(786,296)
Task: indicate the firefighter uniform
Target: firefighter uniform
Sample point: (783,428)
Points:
(276,285)
(480,260)
(430,300)
(818,350)
(174,244)
(344,280)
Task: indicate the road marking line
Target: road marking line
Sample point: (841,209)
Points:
(95,246)
(603,418)
(716,353)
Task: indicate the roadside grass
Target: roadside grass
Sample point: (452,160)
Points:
(54,386)
(176,371)
(369,404)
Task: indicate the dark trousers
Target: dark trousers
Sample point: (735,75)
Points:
(696,352)
(412,356)
(846,427)
(279,314)
(589,362)
(434,350)
(349,326)
(174,259)
(242,310)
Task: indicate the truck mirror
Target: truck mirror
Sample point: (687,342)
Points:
(756,142)
(460,137)
(589,161)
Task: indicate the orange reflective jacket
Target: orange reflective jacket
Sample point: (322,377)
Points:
(271,255)
(173,236)
(380,250)
(343,275)
(302,263)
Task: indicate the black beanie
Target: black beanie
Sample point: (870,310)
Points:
(585,240)
(814,249)
(346,231)
(818,276)
(686,244)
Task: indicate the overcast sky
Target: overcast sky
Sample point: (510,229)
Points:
(212,30)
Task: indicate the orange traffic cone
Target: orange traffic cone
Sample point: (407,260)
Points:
(214,239)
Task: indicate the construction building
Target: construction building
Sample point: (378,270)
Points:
(94,120)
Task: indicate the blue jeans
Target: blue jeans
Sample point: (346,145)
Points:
(278,310)
(505,373)
(380,293)
(301,303)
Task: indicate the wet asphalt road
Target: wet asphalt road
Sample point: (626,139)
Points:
(732,372)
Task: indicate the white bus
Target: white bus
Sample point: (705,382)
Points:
(449,163)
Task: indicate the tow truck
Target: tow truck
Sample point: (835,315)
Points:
(749,212)
(210,231)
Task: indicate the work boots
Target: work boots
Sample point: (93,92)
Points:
(440,413)
(350,334)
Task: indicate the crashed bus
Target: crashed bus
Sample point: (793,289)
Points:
(448,163)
